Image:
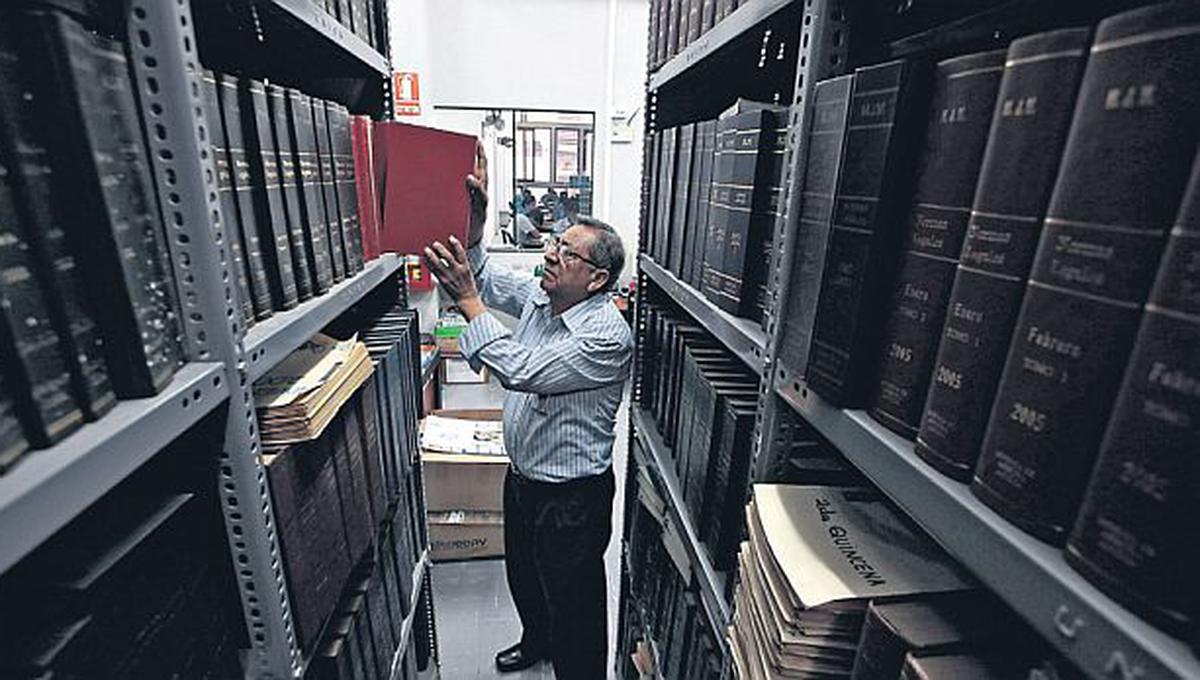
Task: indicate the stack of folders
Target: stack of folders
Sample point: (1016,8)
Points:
(815,558)
(301,395)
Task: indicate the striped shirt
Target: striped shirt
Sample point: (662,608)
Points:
(565,374)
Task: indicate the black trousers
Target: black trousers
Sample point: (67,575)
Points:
(555,536)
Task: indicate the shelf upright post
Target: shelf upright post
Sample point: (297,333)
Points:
(166,67)
(824,36)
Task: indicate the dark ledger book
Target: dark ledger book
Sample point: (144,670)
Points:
(1133,537)
(1101,242)
(332,225)
(247,224)
(960,114)
(225,193)
(42,221)
(302,264)
(341,146)
(827,130)
(650,191)
(719,198)
(308,181)
(681,218)
(267,194)
(707,134)
(1032,117)
(85,89)
(666,202)
(886,117)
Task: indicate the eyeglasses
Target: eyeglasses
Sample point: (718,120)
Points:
(565,252)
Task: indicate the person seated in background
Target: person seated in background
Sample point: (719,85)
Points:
(570,207)
(528,223)
(549,199)
(560,206)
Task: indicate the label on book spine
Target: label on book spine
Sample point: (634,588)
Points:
(1100,245)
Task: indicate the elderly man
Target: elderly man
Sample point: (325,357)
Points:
(565,367)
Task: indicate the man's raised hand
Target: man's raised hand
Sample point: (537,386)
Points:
(477,186)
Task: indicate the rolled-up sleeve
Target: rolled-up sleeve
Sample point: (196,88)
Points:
(501,288)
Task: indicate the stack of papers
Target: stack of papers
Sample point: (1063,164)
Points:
(298,399)
(460,435)
(816,557)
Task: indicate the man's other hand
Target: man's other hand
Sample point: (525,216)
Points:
(477,187)
(453,271)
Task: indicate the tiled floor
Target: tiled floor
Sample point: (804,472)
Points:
(475,615)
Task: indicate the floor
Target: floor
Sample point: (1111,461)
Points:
(475,615)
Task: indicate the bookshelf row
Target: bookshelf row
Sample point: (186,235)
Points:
(316,18)
(742,20)
(711,582)
(1101,637)
(743,337)
(269,341)
(51,486)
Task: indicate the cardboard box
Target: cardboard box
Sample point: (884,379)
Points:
(457,481)
(465,535)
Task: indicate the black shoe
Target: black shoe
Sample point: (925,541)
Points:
(516,658)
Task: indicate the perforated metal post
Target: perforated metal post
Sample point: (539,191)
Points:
(824,34)
(166,67)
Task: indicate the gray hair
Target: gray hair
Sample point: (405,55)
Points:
(607,251)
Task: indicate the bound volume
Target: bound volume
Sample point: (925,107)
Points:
(302,266)
(1133,538)
(333,224)
(1103,236)
(97,136)
(342,151)
(267,194)
(873,186)
(1032,116)
(308,182)
(827,130)
(964,97)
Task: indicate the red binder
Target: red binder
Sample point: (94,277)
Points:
(421,173)
(361,133)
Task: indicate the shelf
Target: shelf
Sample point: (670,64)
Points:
(272,339)
(313,17)
(711,581)
(743,19)
(743,337)
(47,488)
(406,628)
(1098,635)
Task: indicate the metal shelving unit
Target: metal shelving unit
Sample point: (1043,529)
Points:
(406,628)
(314,18)
(744,19)
(712,582)
(743,337)
(50,487)
(1100,636)
(269,341)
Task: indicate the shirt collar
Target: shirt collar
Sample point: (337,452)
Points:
(575,316)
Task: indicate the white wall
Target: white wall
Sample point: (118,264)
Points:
(585,55)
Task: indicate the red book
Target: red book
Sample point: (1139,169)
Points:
(368,201)
(421,173)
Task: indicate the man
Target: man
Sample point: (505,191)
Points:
(528,234)
(565,367)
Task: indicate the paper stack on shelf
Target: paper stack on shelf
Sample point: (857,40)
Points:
(816,557)
(299,397)
(459,435)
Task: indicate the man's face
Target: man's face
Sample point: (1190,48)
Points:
(567,273)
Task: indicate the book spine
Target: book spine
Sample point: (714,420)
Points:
(694,19)
(674,21)
(827,129)
(225,193)
(725,439)
(308,177)
(695,270)
(1101,242)
(721,198)
(666,203)
(13,444)
(960,114)
(131,298)
(35,374)
(664,18)
(239,167)
(680,217)
(267,194)
(873,184)
(653,150)
(285,164)
(333,228)
(41,221)
(1141,497)
(1030,123)
(344,180)
(708,9)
